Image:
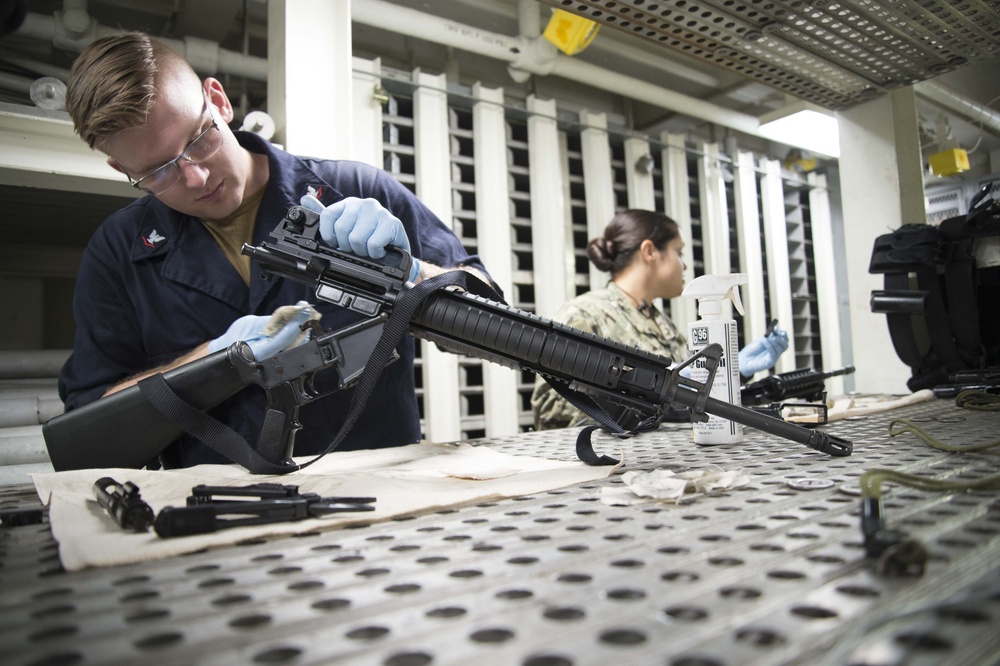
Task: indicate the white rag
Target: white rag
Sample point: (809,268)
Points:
(668,486)
(404,480)
(862,405)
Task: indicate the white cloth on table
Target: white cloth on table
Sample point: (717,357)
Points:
(404,480)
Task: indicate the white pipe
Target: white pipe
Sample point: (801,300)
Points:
(37,363)
(388,16)
(23,389)
(75,18)
(28,411)
(15,83)
(971,110)
(406,21)
(22,445)
(529,55)
(205,56)
(32,65)
(529,18)
(628,86)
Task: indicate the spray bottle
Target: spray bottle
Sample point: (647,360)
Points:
(711,291)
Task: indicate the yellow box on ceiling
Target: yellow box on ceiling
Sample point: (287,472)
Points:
(949,162)
(570,33)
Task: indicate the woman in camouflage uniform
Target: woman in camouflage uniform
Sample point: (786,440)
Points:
(642,250)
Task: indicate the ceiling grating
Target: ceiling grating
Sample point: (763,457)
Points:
(834,54)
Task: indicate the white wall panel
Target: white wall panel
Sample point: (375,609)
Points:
(494,233)
(776,242)
(750,246)
(598,181)
(677,205)
(640,185)
(442,411)
(309,82)
(548,208)
(826,282)
(366,128)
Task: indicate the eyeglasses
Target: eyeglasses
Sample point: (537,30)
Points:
(200,149)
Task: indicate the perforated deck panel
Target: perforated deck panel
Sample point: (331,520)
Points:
(772,573)
(834,54)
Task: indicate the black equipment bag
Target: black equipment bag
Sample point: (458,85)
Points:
(941,307)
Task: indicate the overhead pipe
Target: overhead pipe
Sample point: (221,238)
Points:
(529,23)
(205,56)
(532,56)
(529,27)
(15,83)
(969,109)
(529,18)
(40,68)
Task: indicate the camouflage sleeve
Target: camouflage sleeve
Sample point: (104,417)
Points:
(675,342)
(550,409)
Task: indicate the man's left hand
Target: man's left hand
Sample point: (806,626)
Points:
(361,226)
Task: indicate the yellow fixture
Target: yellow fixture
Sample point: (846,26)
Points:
(949,162)
(570,33)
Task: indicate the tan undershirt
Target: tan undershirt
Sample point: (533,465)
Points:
(231,232)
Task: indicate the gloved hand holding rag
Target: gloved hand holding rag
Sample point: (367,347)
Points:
(268,335)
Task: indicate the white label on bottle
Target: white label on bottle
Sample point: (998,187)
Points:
(716,429)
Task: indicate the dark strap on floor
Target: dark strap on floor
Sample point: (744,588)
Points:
(590,407)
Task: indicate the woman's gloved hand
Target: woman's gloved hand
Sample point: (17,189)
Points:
(763,352)
(267,336)
(361,226)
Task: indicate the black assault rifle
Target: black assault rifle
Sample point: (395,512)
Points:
(126,430)
(805,383)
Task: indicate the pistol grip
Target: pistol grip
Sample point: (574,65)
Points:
(281,422)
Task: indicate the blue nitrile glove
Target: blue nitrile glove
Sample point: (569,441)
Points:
(685,372)
(763,352)
(361,226)
(267,336)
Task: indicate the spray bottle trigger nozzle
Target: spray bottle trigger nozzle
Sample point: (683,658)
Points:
(737,301)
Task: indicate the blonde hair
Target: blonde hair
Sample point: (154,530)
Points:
(112,84)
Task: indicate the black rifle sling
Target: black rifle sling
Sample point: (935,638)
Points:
(230,444)
(963,308)
(213,433)
(918,250)
(587,405)
(901,324)
(407,306)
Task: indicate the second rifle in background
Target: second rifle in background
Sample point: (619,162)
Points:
(770,394)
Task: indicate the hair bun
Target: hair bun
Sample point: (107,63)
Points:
(601,252)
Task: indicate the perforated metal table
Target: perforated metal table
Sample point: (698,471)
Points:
(771,573)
